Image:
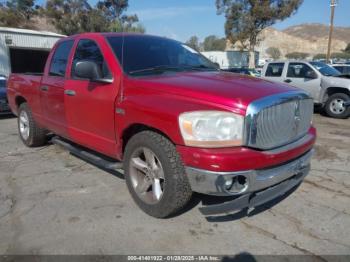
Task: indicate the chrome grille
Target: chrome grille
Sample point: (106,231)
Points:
(278,120)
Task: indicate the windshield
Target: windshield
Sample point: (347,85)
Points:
(145,55)
(325,69)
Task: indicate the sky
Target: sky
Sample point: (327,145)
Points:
(180,19)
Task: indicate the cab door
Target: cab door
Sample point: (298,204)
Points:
(52,88)
(303,76)
(91,105)
(274,71)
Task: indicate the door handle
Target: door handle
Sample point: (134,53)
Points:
(70,92)
(288,81)
(44,88)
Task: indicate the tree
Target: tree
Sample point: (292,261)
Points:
(347,49)
(193,42)
(340,55)
(127,24)
(74,16)
(113,11)
(297,55)
(213,43)
(319,56)
(273,52)
(245,19)
(77,16)
(17,13)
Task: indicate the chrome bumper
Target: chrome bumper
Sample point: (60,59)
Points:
(264,185)
(213,183)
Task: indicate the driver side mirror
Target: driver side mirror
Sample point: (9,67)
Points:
(311,75)
(91,71)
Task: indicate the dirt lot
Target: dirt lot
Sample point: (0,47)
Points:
(53,203)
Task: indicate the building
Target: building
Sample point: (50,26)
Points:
(24,51)
(230,59)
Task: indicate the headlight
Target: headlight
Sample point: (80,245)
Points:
(211,129)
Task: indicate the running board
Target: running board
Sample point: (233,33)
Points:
(94,159)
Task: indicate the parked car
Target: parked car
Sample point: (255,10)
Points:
(328,87)
(4,107)
(344,69)
(243,71)
(168,117)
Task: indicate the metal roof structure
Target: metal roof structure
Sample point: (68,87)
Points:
(15,38)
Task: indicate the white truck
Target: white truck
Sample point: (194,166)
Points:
(327,86)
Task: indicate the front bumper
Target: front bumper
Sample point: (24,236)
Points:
(262,185)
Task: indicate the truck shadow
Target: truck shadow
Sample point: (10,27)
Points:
(241,257)
(6,116)
(245,212)
(207,200)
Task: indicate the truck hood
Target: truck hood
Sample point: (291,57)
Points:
(2,92)
(231,90)
(334,81)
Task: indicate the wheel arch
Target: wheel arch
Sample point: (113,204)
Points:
(17,102)
(333,90)
(136,128)
(20,100)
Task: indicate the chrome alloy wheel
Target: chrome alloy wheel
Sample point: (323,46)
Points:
(24,125)
(337,106)
(147,175)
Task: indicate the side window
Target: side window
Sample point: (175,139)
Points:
(298,70)
(59,59)
(116,42)
(341,69)
(274,69)
(88,50)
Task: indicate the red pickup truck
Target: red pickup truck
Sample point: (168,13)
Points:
(167,116)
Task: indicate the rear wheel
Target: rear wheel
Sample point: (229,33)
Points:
(155,175)
(30,133)
(335,106)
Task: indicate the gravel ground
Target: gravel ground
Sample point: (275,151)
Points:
(54,203)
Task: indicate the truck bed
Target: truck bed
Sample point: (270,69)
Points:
(24,85)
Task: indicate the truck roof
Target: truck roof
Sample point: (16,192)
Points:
(96,34)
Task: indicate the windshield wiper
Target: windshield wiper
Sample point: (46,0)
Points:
(156,69)
(201,67)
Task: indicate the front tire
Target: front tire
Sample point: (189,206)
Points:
(335,106)
(30,133)
(155,175)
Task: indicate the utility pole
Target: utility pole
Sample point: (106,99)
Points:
(333,5)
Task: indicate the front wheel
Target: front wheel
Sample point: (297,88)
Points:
(155,175)
(335,106)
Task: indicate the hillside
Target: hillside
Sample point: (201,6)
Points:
(316,31)
(308,38)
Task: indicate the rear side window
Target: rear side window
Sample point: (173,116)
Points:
(298,70)
(274,69)
(59,60)
(341,69)
(88,50)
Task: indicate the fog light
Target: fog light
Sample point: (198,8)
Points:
(236,184)
(228,183)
